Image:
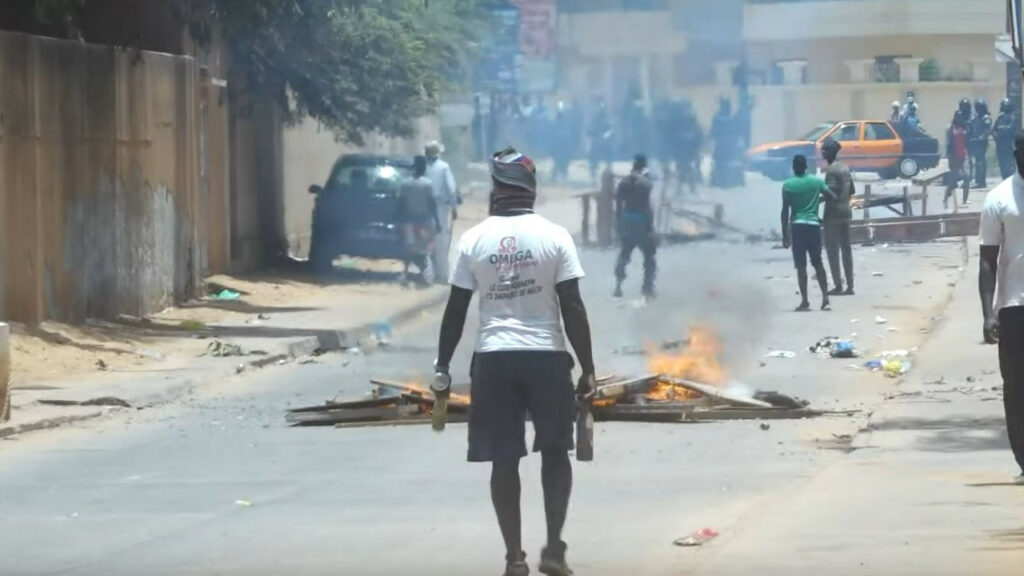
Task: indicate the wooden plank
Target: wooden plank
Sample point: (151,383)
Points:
(412,421)
(734,413)
(915,229)
(624,388)
(718,393)
(352,415)
(421,391)
(332,405)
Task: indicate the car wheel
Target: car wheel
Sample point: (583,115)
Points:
(908,168)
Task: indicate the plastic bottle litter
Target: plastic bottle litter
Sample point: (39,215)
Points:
(880,320)
(780,354)
(227,294)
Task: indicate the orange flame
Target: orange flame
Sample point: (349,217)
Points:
(698,362)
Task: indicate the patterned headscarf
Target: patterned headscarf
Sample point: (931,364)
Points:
(519,176)
(514,169)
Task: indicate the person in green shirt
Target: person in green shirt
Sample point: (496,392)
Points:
(801,227)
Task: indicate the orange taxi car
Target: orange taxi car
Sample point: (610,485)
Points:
(877,146)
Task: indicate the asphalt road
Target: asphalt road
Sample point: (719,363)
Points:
(219,484)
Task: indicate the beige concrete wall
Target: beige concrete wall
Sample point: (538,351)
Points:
(826,58)
(308,151)
(784,112)
(98,180)
(780,21)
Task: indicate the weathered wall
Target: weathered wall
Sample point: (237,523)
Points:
(98,180)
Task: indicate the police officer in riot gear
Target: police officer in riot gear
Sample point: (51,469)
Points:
(979,132)
(1004,132)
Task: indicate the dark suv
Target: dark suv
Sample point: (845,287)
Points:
(355,211)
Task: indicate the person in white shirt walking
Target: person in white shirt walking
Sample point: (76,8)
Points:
(1002,267)
(446,197)
(527,271)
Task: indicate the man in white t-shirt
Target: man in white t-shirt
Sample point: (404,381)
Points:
(526,271)
(1002,266)
(446,197)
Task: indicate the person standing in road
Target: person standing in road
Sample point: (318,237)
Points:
(956,153)
(896,116)
(1002,267)
(636,225)
(446,197)
(979,132)
(417,215)
(837,218)
(527,272)
(801,228)
(1003,133)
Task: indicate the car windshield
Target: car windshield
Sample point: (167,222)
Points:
(818,132)
(369,177)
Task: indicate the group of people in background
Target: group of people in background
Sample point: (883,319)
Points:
(904,116)
(668,129)
(967,142)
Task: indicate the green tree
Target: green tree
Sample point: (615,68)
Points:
(355,65)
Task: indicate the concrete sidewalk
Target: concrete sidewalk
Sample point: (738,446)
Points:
(926,490)
(282,338)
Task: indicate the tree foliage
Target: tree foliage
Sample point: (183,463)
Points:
(357,66)
(354,65)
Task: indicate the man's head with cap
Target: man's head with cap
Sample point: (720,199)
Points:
(433,149)
(830,149)
(514,176)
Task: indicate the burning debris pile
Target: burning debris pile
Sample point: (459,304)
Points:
(689,384)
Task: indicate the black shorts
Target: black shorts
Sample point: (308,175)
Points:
(507,385)
(806,242)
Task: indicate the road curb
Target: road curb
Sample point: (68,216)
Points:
(47,423)
(324,340)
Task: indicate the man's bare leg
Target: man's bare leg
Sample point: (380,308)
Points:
(556,476)
(801,278)
(505,494)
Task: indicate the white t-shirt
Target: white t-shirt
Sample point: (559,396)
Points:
(515,262)
(1002,224)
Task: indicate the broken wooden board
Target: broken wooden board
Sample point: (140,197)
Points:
(340,415)
(332,405)
(622,389)
(460,400)
(915,228)
(718,393)
(668,412)
(733,413)
(411,421)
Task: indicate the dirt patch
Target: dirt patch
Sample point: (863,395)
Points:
(54,351)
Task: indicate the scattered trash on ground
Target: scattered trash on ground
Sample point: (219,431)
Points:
(263,316)
(192,325)
(244,503)
(765,426)
(880,320)
(221,349)
(355,351)
(698,538)
(833,347)
(153,354)
(101,365)
(780,354)
(226,294)
(877,274)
